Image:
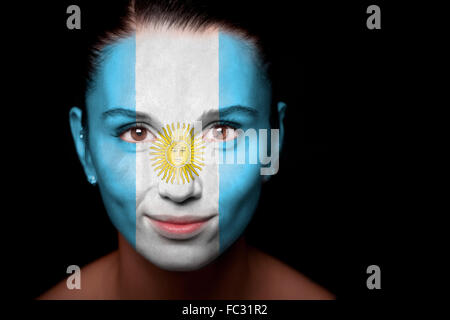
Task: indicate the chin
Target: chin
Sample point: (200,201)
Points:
(179,256)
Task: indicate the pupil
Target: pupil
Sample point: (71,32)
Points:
(220,133)
(139,134)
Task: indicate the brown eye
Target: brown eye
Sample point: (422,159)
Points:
(138,134)
(221,133)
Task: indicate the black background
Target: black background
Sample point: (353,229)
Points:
(328,213)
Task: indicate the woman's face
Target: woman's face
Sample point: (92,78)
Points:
(165,77)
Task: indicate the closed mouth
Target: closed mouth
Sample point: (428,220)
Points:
(178,227)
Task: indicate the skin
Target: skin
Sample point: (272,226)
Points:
(241,273)
(151,67)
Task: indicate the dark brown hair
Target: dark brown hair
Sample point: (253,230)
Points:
(192,15)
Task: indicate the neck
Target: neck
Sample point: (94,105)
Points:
(225,278)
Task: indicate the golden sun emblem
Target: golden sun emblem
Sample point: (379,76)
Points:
(177,153)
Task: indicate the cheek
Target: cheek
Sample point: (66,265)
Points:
(144,173)
(116,170)
(240,186)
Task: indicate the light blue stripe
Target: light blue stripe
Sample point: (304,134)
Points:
(119,82)
(239,184)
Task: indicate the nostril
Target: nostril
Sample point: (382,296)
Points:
(179,194)
(180,199)
(185,200)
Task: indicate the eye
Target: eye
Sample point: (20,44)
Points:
(220,132)
(137,134)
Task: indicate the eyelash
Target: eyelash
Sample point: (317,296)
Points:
(122,129)
(230,124)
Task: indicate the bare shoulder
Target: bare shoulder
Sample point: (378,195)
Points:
(95,282)
(281,282)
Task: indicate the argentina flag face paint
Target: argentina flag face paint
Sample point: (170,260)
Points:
(166,110)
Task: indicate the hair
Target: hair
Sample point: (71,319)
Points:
(191,15)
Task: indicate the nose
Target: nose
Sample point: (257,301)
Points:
(180,192)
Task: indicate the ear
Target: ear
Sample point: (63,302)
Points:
(281,114)
(275,162)
(80,137)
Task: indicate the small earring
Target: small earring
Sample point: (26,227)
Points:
(81,134)
(92,180)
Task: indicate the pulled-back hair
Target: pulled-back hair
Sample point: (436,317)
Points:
(192,15)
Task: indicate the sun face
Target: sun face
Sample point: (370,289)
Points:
(177,154)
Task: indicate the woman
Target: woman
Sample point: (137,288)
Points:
(171,90)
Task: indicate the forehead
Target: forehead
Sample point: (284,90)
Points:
(178,75)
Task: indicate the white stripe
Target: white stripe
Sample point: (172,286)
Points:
(177,80)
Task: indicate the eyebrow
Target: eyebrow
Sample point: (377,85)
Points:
(226,111)
(139,116)
(144,117)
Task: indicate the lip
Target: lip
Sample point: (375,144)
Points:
(178,227)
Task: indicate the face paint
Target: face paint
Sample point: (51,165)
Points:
(114,159)
(176,82)
(241,83)
(179,211)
